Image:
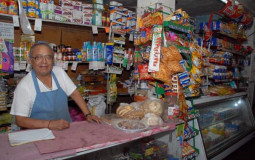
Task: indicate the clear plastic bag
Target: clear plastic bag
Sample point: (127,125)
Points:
(25,25)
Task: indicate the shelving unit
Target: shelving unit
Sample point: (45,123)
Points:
(9,17)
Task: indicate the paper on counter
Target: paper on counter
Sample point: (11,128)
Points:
(22,137)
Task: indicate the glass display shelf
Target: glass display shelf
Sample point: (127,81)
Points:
(224,121)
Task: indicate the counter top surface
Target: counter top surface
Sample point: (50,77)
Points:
(80,137)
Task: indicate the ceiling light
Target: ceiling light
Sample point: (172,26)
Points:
(226,1)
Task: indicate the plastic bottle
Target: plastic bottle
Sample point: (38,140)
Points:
(104,51)
(100,52)
(84,52)
(95,52)
(89,52)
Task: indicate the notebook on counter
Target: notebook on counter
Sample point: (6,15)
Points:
(27,136)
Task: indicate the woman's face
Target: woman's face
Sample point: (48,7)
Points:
(42,60)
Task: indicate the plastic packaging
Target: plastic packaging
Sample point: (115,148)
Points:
(170,111)
(89,52)
(130,126)
(25,25)
(94,50)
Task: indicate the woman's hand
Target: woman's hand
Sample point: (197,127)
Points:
(58,124)
(92,118)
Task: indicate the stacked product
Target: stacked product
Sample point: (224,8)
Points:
(122,19)
(98,7)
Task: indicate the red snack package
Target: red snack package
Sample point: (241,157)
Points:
(232,10)
(143,70)
(246,19)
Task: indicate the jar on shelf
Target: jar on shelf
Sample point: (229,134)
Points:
(171,108)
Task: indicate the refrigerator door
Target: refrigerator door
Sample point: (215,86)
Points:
(224,122)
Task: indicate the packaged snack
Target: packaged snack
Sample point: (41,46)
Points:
(171,53)
(152,106)
(232,10)
(163,75)
(130,112)
(143,71)
(152,119)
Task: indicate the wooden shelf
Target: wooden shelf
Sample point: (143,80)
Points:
(9,17)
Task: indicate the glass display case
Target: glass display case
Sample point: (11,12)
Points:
(224,121)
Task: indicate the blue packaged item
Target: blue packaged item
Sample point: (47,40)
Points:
(94,51)
(89,52)
(109,53)
(100,52)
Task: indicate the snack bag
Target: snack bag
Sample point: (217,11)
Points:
(143,70)
(232,10)
(163,75)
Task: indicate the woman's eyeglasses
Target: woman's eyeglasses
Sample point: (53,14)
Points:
(39,58)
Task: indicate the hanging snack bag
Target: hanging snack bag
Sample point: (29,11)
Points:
(232,10)
(170,53)
(247,19)
(175,67)
(143,70)
(163,75)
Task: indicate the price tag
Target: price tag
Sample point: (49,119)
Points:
(16,66)
(131,90)
(65,66)
(131,37)
(94,30)
(74,66)
(101,65)
(91,65)
(15,21)
(60,64)
(38,25)
(29,68)
(22,65)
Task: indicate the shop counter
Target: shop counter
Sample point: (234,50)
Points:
(81,138)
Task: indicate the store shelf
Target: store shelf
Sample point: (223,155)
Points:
(119,52)
(233,52)
(181,28)
(9,17)
(208,99)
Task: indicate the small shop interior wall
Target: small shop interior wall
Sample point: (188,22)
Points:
(69,35)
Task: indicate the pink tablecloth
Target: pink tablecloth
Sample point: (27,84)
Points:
(26,151)
(83,134)
(80,136)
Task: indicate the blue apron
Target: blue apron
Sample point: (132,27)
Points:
(51,105)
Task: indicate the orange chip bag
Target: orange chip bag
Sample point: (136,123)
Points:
(170,54)
(175,67)
(163,74)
